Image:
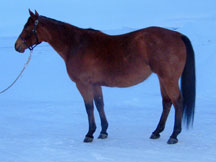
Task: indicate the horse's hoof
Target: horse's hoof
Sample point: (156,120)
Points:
(172,141)
(103,136)
(155,136)
(88,139)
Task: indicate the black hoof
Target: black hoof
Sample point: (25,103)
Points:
(103,136)
(172,141)
(88,139)
(155,136)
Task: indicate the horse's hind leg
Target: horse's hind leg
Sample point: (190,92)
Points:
(174,94)
(98,98)
(166,101)
(178,105)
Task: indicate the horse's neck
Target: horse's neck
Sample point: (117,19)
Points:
(61,36)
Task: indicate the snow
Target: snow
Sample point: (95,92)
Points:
(43,116)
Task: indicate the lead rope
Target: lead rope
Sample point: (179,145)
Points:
(26,64)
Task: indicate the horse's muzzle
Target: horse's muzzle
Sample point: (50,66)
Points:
(19,48)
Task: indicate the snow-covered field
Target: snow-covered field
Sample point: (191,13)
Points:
(43,119)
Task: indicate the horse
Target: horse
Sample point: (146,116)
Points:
(94,59)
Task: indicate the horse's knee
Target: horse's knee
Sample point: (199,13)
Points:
(99,103)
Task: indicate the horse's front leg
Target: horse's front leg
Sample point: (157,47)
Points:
(98,98)
(86,91)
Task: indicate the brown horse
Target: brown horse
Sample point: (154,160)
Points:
(94,59)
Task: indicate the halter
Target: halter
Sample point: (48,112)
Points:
(34,32)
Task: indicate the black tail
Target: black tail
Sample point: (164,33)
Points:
(188,84)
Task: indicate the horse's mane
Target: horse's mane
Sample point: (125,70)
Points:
(55,21)
(67,24)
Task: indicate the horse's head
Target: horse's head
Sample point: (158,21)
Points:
(29,37)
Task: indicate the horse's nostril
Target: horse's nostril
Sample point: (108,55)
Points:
(18,49)
(15,46)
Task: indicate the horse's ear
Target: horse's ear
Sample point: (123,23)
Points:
(36,14)
(33,16)
(31,13)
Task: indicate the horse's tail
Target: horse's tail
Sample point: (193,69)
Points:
(188,84)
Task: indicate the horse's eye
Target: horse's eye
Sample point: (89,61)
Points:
(25,30)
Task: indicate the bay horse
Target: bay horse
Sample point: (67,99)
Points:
(94,59)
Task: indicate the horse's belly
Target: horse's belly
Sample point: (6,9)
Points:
(127,77)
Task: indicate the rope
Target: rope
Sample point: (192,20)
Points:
(26,64)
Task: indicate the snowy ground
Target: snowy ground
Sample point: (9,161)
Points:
(43,118)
